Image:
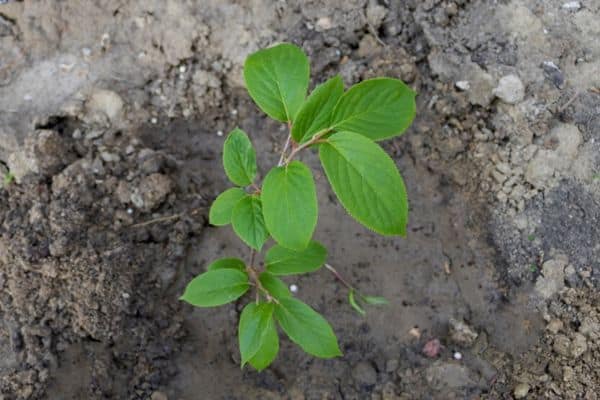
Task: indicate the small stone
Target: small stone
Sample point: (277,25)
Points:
(323,24)
(554,326)
(571,6)
(463,85)
(364,374)
(457,356)
(521,390)
(158,396)
(554,74)
(461,333)
(376,14)
(561,345)
(110,157)
(432,348)
(578,345)
(153,190)
(107,102)
(510,89)
(552,279)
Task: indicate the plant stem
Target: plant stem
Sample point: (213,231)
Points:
(315,139)
(285,147)
(253,274)
(339,277)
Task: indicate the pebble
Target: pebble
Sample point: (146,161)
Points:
(293,288)
(521,390)
(571,6)
(324,23)
(510,89)
(554,73)
(107,102)
(463,85)
(461,333)
(578,345)
(457,355)
(561,345)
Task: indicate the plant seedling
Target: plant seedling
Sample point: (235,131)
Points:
(344,127)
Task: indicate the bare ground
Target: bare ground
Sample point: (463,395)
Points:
(112,121)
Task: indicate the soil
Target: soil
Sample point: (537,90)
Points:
(112,120)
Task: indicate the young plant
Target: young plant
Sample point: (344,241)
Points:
(344,127)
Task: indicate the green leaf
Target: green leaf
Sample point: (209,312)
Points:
(290,204)
(239,158)
(222,208)
(275,286)
(375,300)
(376,108)
(277,80)
(307,328)
(283,261)
(224,263)
(214,288)
(248,222)
(268,350)
(315,114)
(253,327)
(355,304)
(366,182)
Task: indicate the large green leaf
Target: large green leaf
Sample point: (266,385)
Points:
(277,80)
(290,204)
(275,286)
(214,288)
(307,328)
(283,261)
(366,182)
(253,327)
(376,108)
(315,114)
(222,208)
(239,158)
(248,222)
(268,350)
(223,263)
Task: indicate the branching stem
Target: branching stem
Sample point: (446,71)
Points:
(339,277)
(253,274)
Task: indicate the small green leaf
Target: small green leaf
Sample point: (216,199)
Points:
(268,350)
(366,181)
(376,108)
(214,288)
(290,205)
(224,263)
(307,328)
(248,222)
(315,114)
(222,208)
(239,158)
(275,286)
(277,80)
(374,300)
(253,327)
(355,304)
(283,261)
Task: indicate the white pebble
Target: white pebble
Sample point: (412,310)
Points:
(219,133)
(293,288)
(457,355)
(571,5)
(154,120)
(234,112)
(463,85)
(125,295)
(182,69)
(130,211)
